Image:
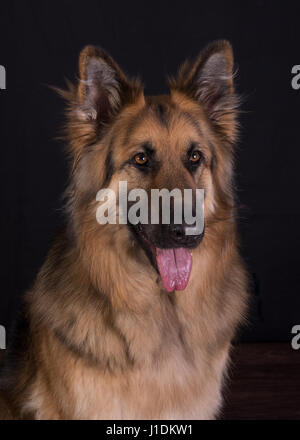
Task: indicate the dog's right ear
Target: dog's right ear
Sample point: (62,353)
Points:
(209,81)
(103,88)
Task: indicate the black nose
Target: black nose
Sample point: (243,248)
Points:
(177,233)
(176,236)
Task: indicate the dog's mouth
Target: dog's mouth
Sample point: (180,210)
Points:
(173,264)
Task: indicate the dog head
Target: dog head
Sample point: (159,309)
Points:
(183,140)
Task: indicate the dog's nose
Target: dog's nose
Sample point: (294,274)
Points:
(177,232)
(177,236)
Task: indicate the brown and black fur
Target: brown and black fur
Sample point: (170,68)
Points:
(101,337)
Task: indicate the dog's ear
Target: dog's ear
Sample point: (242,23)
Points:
(209,81)
(102,91)
(103,88)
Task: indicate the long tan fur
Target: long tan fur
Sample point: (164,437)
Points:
(101,338)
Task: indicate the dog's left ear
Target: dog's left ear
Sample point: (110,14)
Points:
(103,88)
(209,81)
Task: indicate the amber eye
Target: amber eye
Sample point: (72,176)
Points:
(140,159)
(195,156)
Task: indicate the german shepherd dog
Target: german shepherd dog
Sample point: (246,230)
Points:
(132,321)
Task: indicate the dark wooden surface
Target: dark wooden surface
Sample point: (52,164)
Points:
(264,383)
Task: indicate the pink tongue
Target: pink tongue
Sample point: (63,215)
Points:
(175,266)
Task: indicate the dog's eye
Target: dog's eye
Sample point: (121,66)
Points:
(195,156)
(140,159)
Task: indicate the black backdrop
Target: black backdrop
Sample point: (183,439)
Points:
(39,45)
